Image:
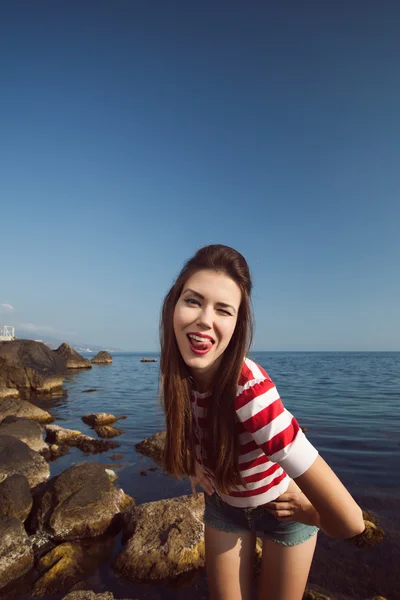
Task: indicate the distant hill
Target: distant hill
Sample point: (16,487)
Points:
(54,342)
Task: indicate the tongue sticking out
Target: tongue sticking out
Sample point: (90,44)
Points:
(200,345)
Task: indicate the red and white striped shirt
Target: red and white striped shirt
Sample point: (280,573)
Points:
(272,447)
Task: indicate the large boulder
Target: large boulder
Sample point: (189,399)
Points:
(81,502)
(30,367)
(72,359)
(15,497)
(70,562)
(26,430)
(16,555)
(162,539)
(102,358)
(23,409)
(60,436)
(153,447)
(17,457)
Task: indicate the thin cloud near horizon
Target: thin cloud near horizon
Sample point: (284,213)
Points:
(7,306)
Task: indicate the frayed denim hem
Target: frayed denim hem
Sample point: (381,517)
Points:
(294,542)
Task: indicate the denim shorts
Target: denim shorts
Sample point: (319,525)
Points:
(220,515)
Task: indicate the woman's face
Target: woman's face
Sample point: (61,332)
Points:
(204,321)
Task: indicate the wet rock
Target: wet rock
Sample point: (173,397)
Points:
(106,431)
(26,430)
(55,451)
(30,367)
(23,409)
(17,458)
(16,555)
(143,473)
(102,358)
(117,456)
(153,447)
(15,497)
(148,360)
(72,359)
(60,435)
(98,419)
(162,539)
(81,502)
(70,437)
(8,392)
(68,563)
(89,390)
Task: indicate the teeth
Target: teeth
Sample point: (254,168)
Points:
(199,339)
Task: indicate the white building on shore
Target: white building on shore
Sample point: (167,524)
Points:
(7,333)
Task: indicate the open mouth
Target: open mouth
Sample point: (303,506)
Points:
(200,344)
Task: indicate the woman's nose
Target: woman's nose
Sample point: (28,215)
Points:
(204,318)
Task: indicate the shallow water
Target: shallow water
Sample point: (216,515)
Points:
(349,402)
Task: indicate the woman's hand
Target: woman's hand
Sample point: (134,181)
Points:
(293,505)
(201,478)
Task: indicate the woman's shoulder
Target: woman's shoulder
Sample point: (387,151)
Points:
(252,372)
(254,385)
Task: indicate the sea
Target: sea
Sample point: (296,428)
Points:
(348,401)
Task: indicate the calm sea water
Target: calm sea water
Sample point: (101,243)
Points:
(348,401)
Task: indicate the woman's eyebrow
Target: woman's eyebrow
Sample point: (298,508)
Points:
(222,304)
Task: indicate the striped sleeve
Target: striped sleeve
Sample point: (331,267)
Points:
(274,429)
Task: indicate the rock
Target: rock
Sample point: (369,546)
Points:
(17,458)
(89,595)
(146,360)
(16,556)
(30,367)
(60,435)
(81,502)
(117,456)
(26,430)
(56,435)
(15,497)
(97,419)
(102,358)
(143,473)
(89,390)
(105,431)
(72,359)
(23,409)
(7,392)
(68,563)
(153,447)
(162,539)
(371,536)
(312,595)
(56,451)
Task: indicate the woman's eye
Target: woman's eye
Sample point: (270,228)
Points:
(225,312)
(192,301)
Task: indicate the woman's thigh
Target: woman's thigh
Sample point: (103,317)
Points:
(285,569)
(229,563)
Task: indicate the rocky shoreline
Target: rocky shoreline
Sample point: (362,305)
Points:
(55,532)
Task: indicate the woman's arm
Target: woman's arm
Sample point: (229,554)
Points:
(339,514)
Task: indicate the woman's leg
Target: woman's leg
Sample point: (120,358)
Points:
(285,569)
(229,563)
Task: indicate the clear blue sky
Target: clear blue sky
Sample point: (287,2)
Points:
(134,132)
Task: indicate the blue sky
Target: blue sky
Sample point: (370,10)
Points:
(134,132)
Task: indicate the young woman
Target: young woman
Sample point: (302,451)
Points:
(228,430)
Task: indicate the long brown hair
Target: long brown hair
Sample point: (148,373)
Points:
(221,441)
